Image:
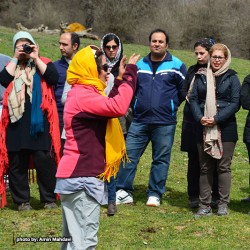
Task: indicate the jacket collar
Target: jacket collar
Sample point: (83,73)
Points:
(168,57)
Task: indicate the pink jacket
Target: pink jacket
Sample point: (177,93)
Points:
(86,113)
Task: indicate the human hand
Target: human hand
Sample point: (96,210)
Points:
(35,51)
(122,67)
(206,121)
(133,59)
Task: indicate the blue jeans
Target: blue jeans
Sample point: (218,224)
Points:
(111,190)
(139,135)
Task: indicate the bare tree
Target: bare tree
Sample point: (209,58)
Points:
(184,20)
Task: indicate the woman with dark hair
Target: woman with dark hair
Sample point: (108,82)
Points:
(112,48)
(94,144)
(188,135)
(214,100)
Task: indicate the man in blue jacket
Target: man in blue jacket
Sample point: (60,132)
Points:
(69,44)
(160,78)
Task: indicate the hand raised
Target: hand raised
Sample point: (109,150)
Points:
(122,66)
(133,59)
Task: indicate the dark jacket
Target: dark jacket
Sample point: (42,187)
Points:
(18,133)
(245,102)
(189,125)
(158,95)
(61,67)
(228,103)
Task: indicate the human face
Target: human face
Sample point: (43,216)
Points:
(158,46)
(103,75)
(66,48)
(201,54)
(218,59)
(19,47)
(111,49)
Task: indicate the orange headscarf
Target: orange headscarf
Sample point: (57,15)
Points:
(83,70)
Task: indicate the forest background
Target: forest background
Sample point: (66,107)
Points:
(172,225)
(184,20)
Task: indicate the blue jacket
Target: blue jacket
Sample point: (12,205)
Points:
(158,96)
(62,67)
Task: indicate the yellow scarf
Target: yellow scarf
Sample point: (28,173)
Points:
(83,70)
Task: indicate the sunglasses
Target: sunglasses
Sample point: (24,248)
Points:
(105,67)
(113,47)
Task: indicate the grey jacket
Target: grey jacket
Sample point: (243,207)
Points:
(3,61)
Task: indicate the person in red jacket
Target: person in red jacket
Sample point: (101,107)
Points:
(29,125)
(94,144)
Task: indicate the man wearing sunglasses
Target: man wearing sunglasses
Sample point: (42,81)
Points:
(160,78)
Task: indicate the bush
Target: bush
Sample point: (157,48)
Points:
(133,20)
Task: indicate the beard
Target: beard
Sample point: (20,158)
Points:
(158,56)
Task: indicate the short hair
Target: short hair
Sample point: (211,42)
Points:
(159,31)
(219,46)
(75,39)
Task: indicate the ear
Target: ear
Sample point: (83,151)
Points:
(75,46)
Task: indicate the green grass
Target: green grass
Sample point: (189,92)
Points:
(170,226)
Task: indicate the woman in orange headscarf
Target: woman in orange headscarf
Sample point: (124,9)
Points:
(94,144)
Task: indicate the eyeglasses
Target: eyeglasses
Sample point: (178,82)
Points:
(214,58)
(105,67)
(113,47)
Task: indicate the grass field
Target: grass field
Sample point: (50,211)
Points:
(170,226)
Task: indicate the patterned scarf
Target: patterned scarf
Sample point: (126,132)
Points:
(48,105)
(83,70)
(112,63)
(17,95)
(212,135)
(30,78)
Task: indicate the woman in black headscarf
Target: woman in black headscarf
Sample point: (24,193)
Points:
(112,48)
